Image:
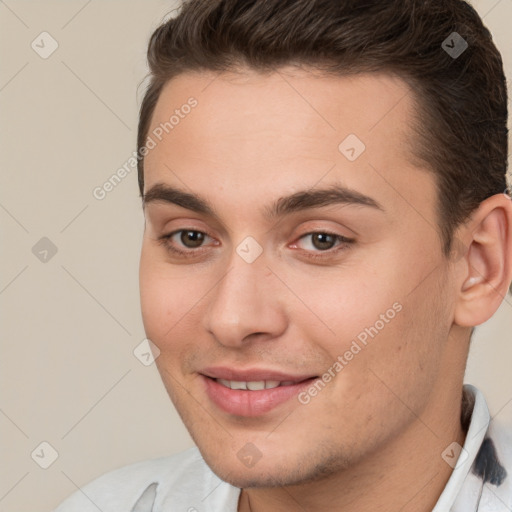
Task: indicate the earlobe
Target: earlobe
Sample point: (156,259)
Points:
(487,267)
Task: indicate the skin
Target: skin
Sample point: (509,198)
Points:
(382,422)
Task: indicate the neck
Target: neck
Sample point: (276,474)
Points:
(407,473)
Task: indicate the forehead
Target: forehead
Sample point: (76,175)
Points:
(290,101)
(285,129)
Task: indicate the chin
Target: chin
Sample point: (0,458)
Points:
(279,471)
(245,478)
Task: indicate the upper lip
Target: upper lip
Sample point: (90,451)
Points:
(252,374)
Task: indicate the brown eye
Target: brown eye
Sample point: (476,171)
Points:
(186,243)
(192,239)
(323,241)
(322,244)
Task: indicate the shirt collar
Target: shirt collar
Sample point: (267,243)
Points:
(478,426)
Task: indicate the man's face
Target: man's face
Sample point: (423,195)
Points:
(351,288)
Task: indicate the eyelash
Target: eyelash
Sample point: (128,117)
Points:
(345,242)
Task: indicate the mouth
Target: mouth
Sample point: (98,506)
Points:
(254,385)
(251,393)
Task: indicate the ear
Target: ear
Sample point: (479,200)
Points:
(486,268)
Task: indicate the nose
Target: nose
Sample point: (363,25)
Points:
(245,304)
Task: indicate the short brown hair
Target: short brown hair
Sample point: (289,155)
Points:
(461,118)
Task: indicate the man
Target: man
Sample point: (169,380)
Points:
(327,219)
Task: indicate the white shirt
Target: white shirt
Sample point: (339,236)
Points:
(481,480)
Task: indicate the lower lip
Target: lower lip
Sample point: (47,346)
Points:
(251,403)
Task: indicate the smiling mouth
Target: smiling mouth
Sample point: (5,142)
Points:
(255,385)
(252,398)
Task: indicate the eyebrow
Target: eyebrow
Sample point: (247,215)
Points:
(298,201)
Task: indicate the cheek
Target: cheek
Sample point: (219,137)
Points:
(165,298)
(400,362)
(172,300)
(375,336)
(344,307)
(153,297)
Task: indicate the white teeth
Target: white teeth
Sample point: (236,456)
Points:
(238,385)
(224,382)
(257,385)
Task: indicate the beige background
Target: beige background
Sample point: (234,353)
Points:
(69,326)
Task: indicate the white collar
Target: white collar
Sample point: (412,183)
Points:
(480,419)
